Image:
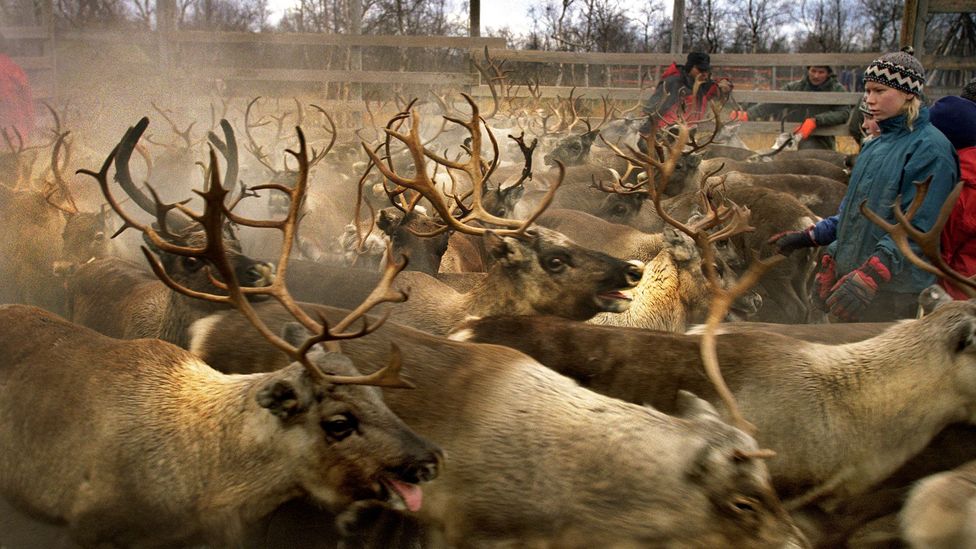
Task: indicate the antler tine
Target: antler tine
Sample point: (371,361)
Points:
(927,241)
(154,236)
(716,115)
(491,85)
(331,130)
(422,183)
(228,149)
(252,146)
(571,107)
(527,152)
(184,135)
(59,183)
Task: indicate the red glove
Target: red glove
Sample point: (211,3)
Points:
(806,128)
(855,290)
(740,116)
(825,277)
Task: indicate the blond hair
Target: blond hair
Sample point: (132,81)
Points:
(910,110)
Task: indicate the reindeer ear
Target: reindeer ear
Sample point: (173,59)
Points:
(281,398)
(691,407)
(294,333)
(505,249)
(513,193)
(966,336)
(387,219)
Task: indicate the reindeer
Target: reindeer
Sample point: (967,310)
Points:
(868,394)
(504,420)
(536,270)
(237,446)
(120,299)
(940,512)
(44,236)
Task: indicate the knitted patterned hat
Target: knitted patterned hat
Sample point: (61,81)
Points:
(969,90)
(956,118)
(897,70)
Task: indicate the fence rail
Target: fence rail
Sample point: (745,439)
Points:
(192,57)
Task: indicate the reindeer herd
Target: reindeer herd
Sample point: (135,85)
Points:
(412,335)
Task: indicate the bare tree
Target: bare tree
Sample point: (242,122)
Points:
(828,26)
(706,27)
(758,24)
(883,17)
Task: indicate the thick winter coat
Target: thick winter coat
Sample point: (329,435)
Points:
(888,167)
(825,115)
(672,99)
(959,233)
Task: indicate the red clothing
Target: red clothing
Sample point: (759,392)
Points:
(16,102)
(673,101)
(959,233)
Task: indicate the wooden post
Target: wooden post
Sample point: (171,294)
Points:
(356,53)
(474,24)
(51,47)
(678,27)
(913,25)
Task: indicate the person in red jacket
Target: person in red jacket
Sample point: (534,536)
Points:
(16,102)
(675,99)
(956,118)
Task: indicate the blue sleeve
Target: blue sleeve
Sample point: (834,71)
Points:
(825,231)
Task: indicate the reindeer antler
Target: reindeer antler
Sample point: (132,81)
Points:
(476,170)
(927,241)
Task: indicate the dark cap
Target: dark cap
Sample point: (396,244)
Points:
(956,118)
(698,59)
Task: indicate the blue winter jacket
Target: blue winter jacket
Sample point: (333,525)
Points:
(886,167)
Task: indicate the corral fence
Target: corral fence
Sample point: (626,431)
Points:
(341,71)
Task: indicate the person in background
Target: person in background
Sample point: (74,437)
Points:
(956,118)
(863,276)
(969,90)
(16,101)
(818,78)
(862,126)
(675,99)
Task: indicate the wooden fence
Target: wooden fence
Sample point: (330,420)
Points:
(285,64)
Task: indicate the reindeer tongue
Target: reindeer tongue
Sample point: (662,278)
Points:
(412,495)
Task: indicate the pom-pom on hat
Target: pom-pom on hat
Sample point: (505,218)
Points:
(956,118)
(897,70)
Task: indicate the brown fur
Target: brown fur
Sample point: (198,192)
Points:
(139,443)
(536,460)
(876,402)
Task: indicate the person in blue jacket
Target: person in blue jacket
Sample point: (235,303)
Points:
(862,275)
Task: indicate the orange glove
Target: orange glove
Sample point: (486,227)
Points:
(806,128)
(741,116)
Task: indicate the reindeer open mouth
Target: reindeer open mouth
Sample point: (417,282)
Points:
(401,495)
(617,298)
(613,302)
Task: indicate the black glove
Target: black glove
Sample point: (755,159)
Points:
(788,241)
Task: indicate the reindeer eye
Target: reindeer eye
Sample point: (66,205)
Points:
(619,209)
(99,237)
(192,263)
(743,505)
(555,264)
(339,426)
